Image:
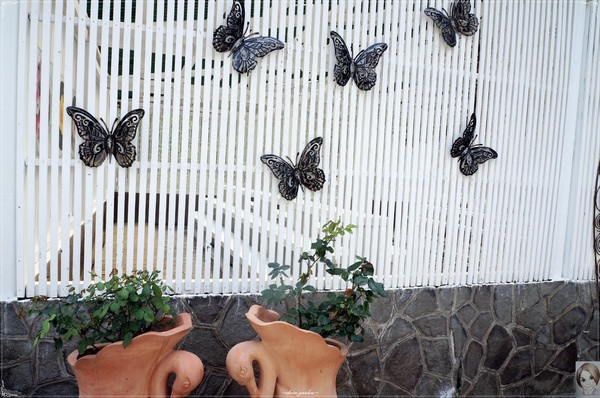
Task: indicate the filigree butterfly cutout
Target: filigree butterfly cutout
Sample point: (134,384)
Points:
(459,20)
(305,174)
(470,156)
(243,49)
(98,142)
(361,68)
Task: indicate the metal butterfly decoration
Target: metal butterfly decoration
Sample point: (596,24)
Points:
(305,174)
(361,68)
(470,156)
(98,142)
(460,20)
(243,49)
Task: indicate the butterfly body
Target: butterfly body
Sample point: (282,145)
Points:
(243,49)
(361,68)
(459,20)
(305,174)
(99,143)
(470,156)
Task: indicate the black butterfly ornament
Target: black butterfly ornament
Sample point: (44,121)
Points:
(243,49)
(98,142)
(305,174)
(361,68)
(470,156)
(459,20)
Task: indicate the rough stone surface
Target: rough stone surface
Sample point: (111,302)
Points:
(492,340)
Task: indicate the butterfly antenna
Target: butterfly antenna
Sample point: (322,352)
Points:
(292,163)
(105,125)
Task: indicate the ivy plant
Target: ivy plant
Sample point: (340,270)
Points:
(340,314)
(117,309)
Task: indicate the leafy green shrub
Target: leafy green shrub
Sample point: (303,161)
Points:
(106,311)
(341,314)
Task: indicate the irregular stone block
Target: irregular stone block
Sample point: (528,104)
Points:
(499,346)
(402,366)
(569,325)
(432,325)
(472,360)
(517,368)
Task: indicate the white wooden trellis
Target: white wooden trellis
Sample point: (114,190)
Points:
(528,74)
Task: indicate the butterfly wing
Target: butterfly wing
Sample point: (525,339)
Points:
(444,23)
(342,71)
(94,148)
(244,58)
(308,172)
(364,66)
(471,159)
(226,35)
(282,170)
(464,22)
(462,143)
(124,151)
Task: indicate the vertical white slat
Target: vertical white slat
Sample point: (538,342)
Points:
(208,155)
(211,274)
(155,224)
(102,110)
(520,111)
(126,177)
(195,234)
(178,158)
(391,265)
(67,223)
(541,143)
(171,134)
(132,27)
(30,257)
(188,175)
(569,124)
(55,57)
(219,177)
(112,173)
(43,143)
(24,281)
(148,142)
(401,238)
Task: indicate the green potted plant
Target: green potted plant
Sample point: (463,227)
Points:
(126,332)
(297,353)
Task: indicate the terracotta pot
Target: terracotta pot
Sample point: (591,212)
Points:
(292,361)
(142,368)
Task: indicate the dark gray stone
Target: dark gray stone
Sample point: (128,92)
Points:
(434,386)
(215,382)
(446,299)
(206,309)
(565,359)
(486,385)
(423,303)
(472,360)
(503,303)
(467,313)
(19,376)
(205,343)
(13,349)
(436,355)
(481,325)
(381,310)
(482,297)
(569,325)
(13,316)
(541,356)
(48,368)
(400,329)
(402,366)
(402,298)
(432,325)
(57,389)
(459,335)
(463,296)
(529,295)
(542,384)
(365,369)
(499,346)
(234,327)
(543,337)
(565,296)
(533,317)
(522,337)
(517,368)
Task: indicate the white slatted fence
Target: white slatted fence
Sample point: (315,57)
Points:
(200,206)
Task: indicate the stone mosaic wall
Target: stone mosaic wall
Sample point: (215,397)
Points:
(501,340)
